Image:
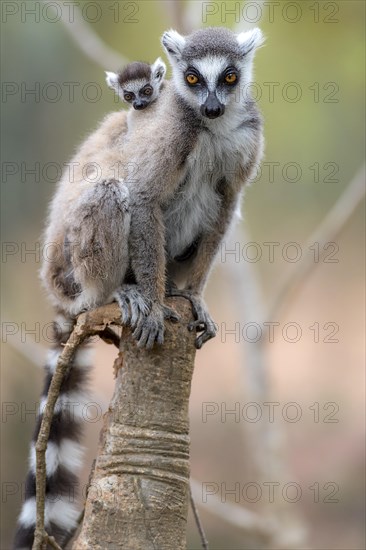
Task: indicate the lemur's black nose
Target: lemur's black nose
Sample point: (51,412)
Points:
(139,106)
(212,108)
(213,113)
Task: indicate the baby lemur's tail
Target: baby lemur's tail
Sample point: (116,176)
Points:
(64,452)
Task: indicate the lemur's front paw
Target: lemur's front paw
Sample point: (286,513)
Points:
(145,318)
(150,330)
(203,322)
(133,305)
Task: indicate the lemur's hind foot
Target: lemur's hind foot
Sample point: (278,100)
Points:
(203,322)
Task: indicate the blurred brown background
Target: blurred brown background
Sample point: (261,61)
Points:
(297,393)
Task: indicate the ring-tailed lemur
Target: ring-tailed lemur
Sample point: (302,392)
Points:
(149,215)
(138,83)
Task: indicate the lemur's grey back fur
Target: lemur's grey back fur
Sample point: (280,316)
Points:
(149,216)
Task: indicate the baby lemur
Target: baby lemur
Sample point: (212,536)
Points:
(141,214)
(138,83)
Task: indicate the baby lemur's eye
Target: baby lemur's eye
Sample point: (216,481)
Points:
(147,91)
(128,96)
(192,79)
(230,78)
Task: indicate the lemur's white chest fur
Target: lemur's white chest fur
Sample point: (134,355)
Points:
(196,204)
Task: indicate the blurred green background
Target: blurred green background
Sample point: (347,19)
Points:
(315,146)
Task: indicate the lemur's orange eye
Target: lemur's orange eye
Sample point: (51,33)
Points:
(230,78)
(192,79)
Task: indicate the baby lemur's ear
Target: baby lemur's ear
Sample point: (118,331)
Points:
(158,70)
(111,79)
(249,41)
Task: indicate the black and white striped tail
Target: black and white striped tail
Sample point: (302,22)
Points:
(64,452)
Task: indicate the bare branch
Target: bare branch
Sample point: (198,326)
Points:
(326,232)
(36,353)
(235,515)
(267,528)
(266,444)
(176,12)
(51,541)
(88,41)
(191,16)
(197,519)
(265,439)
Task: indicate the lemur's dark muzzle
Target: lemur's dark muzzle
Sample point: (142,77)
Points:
(212,108)
(139,105)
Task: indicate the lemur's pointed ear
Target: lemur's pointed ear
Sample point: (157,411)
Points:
(158,70)
(173,43)
(111,79)
(250,40)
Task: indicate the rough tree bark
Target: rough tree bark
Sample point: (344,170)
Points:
(139,491)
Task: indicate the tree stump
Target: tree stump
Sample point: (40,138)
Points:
(139,490)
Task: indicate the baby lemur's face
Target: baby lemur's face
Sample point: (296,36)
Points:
(139,93)
(138,83)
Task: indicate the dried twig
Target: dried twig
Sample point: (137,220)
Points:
(63,363)
(87,40)
(52,542)
(192,16)
(265,445)
(178,15)
(265,439)
(265,527)
(328,230)
(198,522)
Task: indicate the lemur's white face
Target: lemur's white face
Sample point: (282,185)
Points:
(209,84)
(212,68)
